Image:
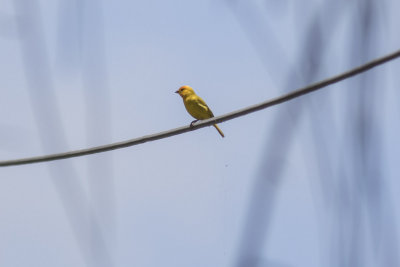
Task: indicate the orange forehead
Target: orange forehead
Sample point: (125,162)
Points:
(185,87)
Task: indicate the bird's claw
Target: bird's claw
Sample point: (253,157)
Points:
(191,124)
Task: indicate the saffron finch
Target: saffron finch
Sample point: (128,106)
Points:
(196,106)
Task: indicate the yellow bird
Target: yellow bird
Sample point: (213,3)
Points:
(196,106)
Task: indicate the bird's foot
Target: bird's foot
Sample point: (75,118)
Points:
(191,124)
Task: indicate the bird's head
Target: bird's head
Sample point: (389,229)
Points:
(185,90)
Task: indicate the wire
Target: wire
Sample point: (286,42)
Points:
(208,122)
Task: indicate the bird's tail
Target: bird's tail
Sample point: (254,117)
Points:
(219,130)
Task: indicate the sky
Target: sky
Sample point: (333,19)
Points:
(311,182)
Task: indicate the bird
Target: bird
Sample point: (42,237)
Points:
(196,106)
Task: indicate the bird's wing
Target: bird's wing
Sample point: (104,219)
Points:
(204,106)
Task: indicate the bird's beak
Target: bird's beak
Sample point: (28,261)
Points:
(177,92)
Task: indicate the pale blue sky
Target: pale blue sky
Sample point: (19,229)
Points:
(183,201)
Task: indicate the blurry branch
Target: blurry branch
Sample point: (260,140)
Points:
(42,95)
(259,27)
(229,116)
(369,205)
(94,77)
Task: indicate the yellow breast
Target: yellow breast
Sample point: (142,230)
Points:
(197,107)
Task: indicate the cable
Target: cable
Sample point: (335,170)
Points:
(208,122)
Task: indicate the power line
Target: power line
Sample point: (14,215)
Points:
(205,123)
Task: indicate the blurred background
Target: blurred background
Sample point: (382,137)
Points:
(311,182)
